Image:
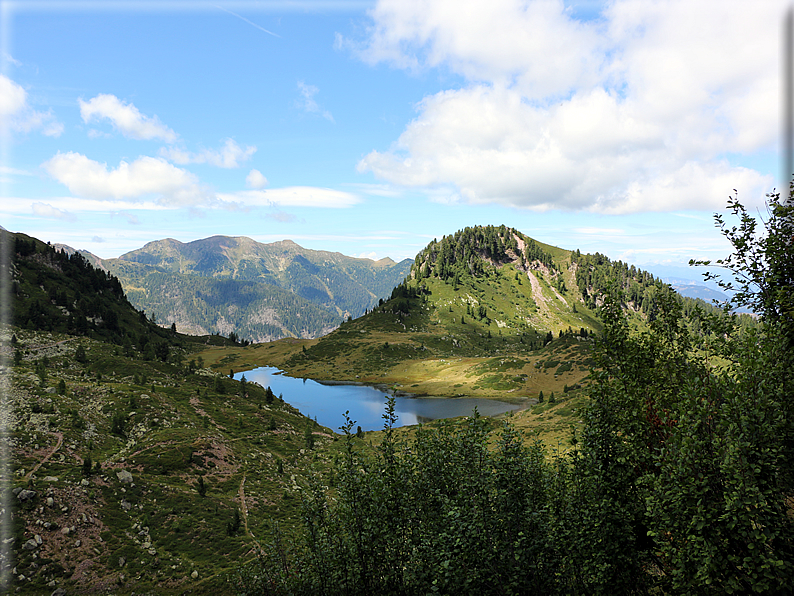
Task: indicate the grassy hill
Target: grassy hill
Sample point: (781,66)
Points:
(134,468)
(258,291)
(486,312)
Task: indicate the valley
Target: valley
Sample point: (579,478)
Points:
(140,465)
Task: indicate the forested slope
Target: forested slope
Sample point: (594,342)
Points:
(263,291)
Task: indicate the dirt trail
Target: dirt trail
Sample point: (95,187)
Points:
(47,457)
(243,506)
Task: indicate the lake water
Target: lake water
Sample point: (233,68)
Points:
(328,402)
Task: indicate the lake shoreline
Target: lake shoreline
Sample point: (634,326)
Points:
(328,399)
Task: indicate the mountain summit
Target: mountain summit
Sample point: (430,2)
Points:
(258,291)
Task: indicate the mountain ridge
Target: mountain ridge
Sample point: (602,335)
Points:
(268,291)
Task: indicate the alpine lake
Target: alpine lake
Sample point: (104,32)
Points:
(328,401)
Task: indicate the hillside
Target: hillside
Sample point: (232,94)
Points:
(134,468)
(485,312)
(258,291)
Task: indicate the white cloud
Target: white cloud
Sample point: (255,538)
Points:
(255,180)
(10,59)
(13,98)
(146,176)
(292,196)
(125,118)
(532,44)
(307,102)
(17,115)
(14,171)
(50,212)
(24,205)
(632,112)
(228,156)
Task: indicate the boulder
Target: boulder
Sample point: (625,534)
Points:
(124,476)
(26,495)
(30,545)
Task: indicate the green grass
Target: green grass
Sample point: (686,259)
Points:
(167,447)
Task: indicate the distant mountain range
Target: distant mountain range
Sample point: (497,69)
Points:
(261,292)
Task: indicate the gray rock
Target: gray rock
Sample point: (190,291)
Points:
(50,390)
(194,575)
(59,592)
(38,539)
(122,561)
(126,505)
(26,494)
(84,482)
(50,502)
(50,479)
(30,545)
(78,543)
(124,476)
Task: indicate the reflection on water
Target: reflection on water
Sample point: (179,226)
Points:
(328,402)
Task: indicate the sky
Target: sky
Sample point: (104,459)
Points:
(372,127)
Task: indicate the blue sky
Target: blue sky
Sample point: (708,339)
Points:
(371,128)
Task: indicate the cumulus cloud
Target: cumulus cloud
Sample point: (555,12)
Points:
(144,177)
(50,212)
(125,118)
(16,115)
(255,180)
(532,44)
(307,102)
(292,196)
(228,156)
(631,112)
